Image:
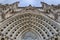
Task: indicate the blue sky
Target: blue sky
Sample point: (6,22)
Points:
(32,2)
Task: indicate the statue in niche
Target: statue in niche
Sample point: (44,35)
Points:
(2,15)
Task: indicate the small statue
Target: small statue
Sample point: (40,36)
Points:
(2,15)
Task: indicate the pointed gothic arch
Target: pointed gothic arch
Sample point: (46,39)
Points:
(14,26)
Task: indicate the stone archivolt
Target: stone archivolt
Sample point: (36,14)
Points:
(14,26)
(29,23)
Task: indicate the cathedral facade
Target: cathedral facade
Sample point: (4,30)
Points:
(29,23)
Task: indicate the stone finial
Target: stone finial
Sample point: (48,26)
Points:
(44,5)
(30,5)
(16,3)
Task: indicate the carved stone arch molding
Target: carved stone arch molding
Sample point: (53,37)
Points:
(29,33)
(19,25)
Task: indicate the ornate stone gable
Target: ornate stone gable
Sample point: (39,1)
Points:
(28,23)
